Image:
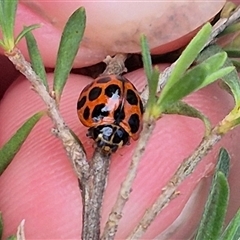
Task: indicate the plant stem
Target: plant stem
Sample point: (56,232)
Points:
(115,65)
(20,231)
(92,207)
(72,147)
(221,24)
(126,187)
(218,28)
(93,190)
(170,190)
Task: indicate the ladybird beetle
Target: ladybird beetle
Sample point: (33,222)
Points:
(112,109)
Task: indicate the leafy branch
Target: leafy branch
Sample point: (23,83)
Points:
(69,45)
(92,176)
(185,81)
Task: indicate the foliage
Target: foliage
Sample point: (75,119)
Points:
(196,68)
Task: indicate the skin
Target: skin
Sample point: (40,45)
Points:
(121,34)
(41,187)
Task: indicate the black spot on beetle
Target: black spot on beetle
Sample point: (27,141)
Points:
(120,135)
(121,78)
(112,89)
(104,80)
(86,113)
(87,87)
(81,103)
(98,113)
(114,148)
(94,93)
(141,106)
(132,97)
(119,114)
(134,123)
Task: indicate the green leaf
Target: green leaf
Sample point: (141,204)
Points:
(1,226)
(215,210)
(9,9)
(230,121)
(10,149)
(195,79)
(2,19)
(183,108)
(152,78)
(235,122)
(232,53)
(12,237)
(8,13)
(151,103)
(1,43)
(228,9)
(218,75)
(223,162)
(146,57)
(187,57)
(69,45)
(216,206)
(232,231)
(25,31)
(233,28)
(236,64)
(36,59)
(231,79)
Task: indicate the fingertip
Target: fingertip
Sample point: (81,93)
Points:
(40,180)
(50,190)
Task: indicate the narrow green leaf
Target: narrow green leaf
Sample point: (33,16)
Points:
(231,79)
(230,121)
(2,27)
(236,64)
(187,57)
(25,31)
(228,9)
(69,45)
(12,237)
(1,44)
(1,226)
(233,28)
(215,209)
(223,162)
(216,205)
(152,85)
(152,77)
(235,123)
(1,18)
(232,53)
(232,231)
(195,79)
(184,109)
(9,9)
(36,59)
(217,75)
(10,149)
(146,57)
